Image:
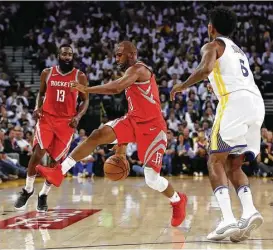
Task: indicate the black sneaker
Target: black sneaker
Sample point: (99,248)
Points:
(22,199)
(42,203)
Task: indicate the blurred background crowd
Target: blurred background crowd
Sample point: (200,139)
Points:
(168,39)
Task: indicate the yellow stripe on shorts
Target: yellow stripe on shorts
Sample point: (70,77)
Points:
(223,102)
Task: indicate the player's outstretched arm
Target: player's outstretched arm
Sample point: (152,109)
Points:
(114,87)
(209,57)
(41,95)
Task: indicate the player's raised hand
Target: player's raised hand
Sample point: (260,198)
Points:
(78,86)
(176,89)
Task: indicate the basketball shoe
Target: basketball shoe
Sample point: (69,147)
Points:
(223,230)
(42,203)
(246,226)
(22,200)
(52,175)
(179,210)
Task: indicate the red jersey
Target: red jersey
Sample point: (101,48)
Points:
(143,100)
(60,100)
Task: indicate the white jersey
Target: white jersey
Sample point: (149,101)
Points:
(232,72)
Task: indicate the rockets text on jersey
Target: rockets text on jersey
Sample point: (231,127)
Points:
(60,100)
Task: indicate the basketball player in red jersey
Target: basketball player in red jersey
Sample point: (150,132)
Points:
(142,124)
(56,111)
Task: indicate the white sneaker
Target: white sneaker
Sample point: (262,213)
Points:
(246,226)
(195,174)
(224,230)
(201,174)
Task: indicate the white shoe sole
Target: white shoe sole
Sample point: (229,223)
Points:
(254,223)
(23,208)
(224,235)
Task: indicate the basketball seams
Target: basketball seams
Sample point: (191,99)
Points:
(116,163)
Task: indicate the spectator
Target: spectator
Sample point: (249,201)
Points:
(200,159)
(170,153)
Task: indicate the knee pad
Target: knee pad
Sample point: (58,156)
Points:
(154,180)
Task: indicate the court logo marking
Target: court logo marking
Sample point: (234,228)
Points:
(53,219)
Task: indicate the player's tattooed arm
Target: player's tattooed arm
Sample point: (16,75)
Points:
(41,95)
(209,57)
(84,101)
(131,75)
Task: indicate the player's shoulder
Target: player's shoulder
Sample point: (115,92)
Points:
(46,70)
(80,73)
(210,45)
(140,66)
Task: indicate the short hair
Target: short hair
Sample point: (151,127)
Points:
(224,20)
(64,46)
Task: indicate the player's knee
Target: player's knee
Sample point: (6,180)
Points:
(96,135)
(213,163)
(154,180)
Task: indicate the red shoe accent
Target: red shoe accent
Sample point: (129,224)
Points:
(179,210)
(52,175)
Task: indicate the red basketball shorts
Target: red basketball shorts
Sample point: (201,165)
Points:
(54,135)
(150,137)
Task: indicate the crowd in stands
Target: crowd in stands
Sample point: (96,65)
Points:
(169,40)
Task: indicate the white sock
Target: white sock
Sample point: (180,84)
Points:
(245,196)
(223,198)
(46,188)
(175,197)
(29,183)
(67,164)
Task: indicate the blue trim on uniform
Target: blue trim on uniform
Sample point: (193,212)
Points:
(227,149)
(220,187)
(239,188)
(249,155)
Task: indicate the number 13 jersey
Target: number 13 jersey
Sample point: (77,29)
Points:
(60,100)
(231,71)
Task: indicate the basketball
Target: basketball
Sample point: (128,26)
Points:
(116,168)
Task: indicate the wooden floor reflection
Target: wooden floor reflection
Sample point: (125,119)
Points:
(132,216)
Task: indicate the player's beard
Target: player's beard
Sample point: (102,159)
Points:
(65,66)
(123,66)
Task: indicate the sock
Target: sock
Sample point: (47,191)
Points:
(46,188)
(68,163)
(223,198)
(175,197)
(245,196)
(29,183)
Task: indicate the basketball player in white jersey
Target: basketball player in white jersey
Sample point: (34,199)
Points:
(235,135)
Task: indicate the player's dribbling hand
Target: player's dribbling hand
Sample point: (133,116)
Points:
(37,113)
(176,89)
(78,86)
(74,122)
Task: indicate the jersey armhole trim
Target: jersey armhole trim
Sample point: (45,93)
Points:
(77,76)
(140,83)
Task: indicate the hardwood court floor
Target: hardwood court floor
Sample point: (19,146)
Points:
(131,216)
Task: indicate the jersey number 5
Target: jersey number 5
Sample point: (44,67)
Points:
(60,95)
(243,68)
